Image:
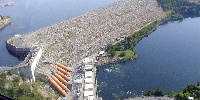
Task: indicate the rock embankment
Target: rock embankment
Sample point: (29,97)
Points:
(4,21)
(91,32)
(107,60)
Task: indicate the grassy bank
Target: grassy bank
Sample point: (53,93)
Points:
(174,10)
(125,48)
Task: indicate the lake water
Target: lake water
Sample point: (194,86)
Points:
(169,59)
(29,15)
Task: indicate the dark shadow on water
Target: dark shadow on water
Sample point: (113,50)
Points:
(20,58)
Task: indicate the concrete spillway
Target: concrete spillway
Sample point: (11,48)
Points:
(91,31)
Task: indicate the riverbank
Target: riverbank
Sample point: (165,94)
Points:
(120,48)
(121,55)
(4,21)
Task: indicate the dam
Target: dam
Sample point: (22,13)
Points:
(70,41)
(92,31)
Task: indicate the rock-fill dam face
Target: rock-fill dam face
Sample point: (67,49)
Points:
(92,31)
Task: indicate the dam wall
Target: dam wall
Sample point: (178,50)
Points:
(16,48)
(32,56)
(21,52)
(92,31)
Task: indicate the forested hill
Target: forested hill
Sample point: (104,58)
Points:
(180,8)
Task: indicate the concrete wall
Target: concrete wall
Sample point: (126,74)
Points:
(35,62)
(17,51)
(28,66)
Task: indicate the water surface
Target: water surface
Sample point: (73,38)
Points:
(29,15)
(169,58)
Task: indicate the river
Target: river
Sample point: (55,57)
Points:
(169,59)
(29,15)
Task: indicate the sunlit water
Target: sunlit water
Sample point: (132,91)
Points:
(169,59)
(29,15)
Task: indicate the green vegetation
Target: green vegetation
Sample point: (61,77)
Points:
(180,8)
(18,88)
(171,94)
(191,90)
(174,10)
(128,54)
(157,92)
(125,48)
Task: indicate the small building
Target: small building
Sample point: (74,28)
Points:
(123,36)
(190,98)
(101,53)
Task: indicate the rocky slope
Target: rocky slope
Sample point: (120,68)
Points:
(4,21)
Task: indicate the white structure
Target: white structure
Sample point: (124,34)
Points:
(35,62)
(101,53)
(28,69)
(190,98)
(90,82)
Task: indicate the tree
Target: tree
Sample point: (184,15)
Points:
(112,52)
(24,89)
(3,75)
(171,94)
(149,93)
(182,95)
(159,92)
(109,46)
(122,54)
(16,81)
(10,73)
(198,83)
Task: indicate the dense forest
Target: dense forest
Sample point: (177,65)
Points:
(180,8)
(192,90)
(174,9)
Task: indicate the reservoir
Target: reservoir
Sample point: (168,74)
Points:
(30,15)
(169,59)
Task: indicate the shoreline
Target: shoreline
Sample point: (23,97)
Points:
(97,38)
(4,21)
(104,60)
